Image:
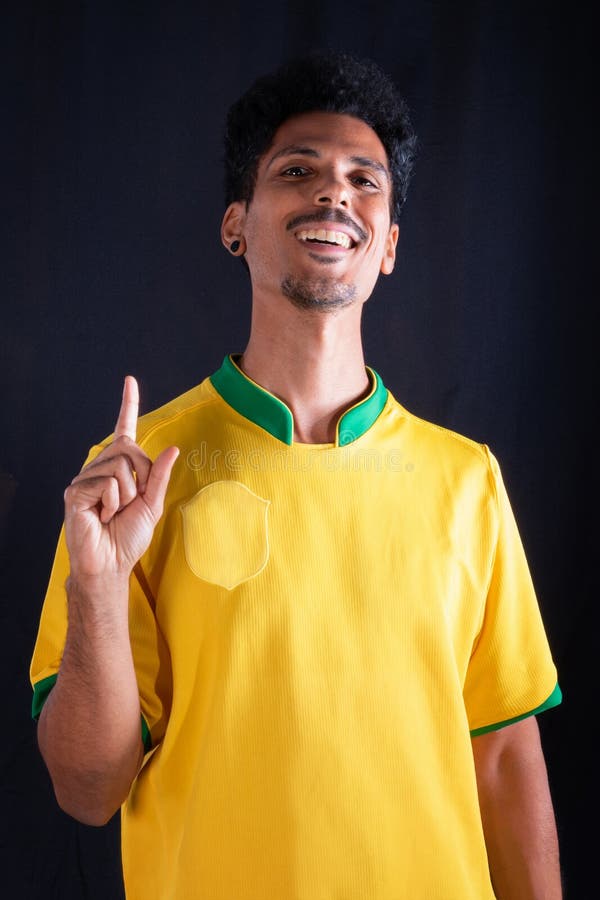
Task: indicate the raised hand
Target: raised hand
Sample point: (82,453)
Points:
(114,504)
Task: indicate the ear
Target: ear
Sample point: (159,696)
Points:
(389,252)
(233,224)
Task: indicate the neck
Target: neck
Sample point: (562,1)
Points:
(313,361)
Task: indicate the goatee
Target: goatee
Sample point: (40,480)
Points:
(321,294)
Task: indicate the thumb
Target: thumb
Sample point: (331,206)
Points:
(158,481)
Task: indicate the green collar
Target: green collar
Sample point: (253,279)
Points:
(264,409)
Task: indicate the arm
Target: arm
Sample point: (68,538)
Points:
(517,814)
(89,731)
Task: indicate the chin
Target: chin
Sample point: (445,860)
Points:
(322,294)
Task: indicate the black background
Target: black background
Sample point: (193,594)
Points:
(112,263)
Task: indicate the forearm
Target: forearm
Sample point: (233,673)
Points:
(517,815)
(89,731)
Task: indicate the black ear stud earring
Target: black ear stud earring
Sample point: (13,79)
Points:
(235,246)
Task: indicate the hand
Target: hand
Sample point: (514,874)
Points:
(114,504)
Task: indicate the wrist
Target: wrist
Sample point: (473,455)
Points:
(96,587)
(98,614)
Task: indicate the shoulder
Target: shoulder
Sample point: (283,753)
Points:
(163,426)
(176,414)
(439,441)
(444,460)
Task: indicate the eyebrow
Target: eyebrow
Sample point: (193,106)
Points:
(300,150)
(369,163)
(293,150)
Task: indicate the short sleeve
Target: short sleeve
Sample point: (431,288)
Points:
(150,654)
(151,660)
(511,673)
(52,630)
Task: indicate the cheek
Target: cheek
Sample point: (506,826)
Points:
(377,250)
(262,244)
(263,251)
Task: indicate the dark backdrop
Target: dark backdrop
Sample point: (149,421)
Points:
(112,263)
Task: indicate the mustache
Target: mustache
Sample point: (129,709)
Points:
(328,215)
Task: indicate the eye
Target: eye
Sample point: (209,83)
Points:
(295,171)
(365,181)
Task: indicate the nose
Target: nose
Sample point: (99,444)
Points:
(331,191)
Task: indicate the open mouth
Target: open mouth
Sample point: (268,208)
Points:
(327,237)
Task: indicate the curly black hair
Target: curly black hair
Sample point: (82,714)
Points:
(326,82)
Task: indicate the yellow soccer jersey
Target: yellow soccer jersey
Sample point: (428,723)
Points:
(317,630)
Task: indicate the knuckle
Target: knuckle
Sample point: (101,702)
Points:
(117,465)
(124,441)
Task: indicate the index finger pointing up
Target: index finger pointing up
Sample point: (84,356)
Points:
(128,414)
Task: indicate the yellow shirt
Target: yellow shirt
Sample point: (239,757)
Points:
(316,632)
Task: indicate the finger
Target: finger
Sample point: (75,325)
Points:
(110,501)
(100,494)
(158,480)
(128,414)
(132,457)
(117,470)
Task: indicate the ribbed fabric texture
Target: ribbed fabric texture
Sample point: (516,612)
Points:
(315,631)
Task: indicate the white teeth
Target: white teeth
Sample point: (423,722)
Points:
(332,237)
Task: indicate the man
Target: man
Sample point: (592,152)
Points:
(329,635)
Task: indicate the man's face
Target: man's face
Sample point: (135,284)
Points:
(318,227)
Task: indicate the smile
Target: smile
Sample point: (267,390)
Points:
(325,236)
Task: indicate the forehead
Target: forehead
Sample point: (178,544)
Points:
(327,133)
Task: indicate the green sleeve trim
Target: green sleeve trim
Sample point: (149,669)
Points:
(40,694)
(553,700)
(146,736)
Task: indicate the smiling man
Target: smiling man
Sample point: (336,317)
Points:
(290,629)
(325,185)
